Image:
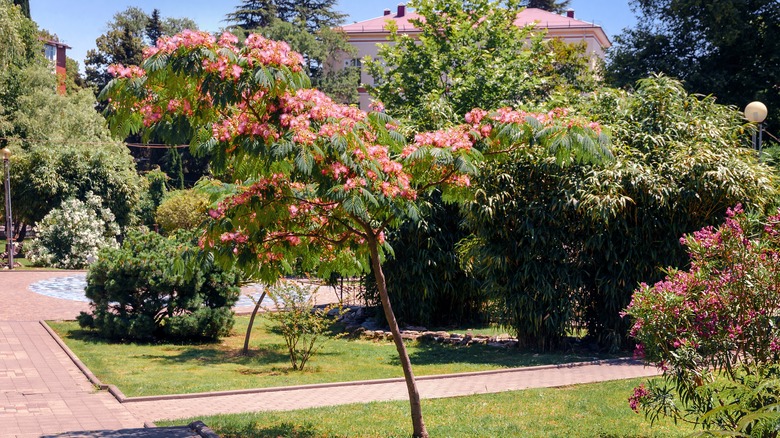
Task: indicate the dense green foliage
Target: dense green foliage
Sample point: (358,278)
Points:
(70,236)
(182,209)
(728,48)
(466,56)
(424,276)
(313,15)
(461,62)
(136,292)
(712,329)
(556,6)
(557,245)
(61,146)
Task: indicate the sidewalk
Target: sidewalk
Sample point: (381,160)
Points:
(43,393)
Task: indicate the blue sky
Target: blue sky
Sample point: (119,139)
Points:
(79,23)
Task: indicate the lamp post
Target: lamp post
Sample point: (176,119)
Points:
(9,229)
(755,112)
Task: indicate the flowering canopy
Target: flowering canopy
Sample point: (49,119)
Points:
(310,180)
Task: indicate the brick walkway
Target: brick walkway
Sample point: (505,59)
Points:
(42,393)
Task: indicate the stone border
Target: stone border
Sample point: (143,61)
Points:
(122,398)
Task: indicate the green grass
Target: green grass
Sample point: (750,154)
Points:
(593,410)
(156,369)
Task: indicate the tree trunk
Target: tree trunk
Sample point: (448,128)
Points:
(406,364)
(251,322)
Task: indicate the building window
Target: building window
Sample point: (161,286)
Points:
(50,52)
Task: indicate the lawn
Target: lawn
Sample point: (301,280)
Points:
(593,410)
(164,368)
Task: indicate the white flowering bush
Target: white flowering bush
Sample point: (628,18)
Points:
(70,236)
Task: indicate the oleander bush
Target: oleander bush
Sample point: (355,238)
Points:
(713,329)
(156,287)
(70,236)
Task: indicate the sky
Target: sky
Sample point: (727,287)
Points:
(78,23)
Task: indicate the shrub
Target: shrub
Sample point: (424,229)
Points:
(70,236)
(182,209)
(155,287)
(714,330)
(300,323)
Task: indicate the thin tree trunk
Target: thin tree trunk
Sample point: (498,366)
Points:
(406,364)
(251,322)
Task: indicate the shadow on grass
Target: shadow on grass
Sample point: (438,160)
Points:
(254,430)
(428,353)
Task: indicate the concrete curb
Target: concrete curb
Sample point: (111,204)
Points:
(151,398)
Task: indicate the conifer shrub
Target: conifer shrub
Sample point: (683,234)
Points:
(156,287)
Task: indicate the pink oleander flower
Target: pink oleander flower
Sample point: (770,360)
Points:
(638,397)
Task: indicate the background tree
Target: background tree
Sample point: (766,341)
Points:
(62,148)
(556,6)
(728,48)
(460,62)
(465,57)
(308,27)
(313,15)
(311,183)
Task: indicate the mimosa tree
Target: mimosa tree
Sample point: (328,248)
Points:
(307,182)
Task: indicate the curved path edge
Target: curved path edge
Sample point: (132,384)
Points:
(122,398)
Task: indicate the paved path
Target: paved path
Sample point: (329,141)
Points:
(42,393)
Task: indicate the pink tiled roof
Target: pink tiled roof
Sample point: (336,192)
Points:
(526,16)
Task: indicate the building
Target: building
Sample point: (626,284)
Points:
(365,35)
(54,51)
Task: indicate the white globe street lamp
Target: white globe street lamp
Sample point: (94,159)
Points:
(755,112)
(9,229)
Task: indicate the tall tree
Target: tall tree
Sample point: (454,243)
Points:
(728,48)
(314,15)
(309,182)
(154,28)
(556,6)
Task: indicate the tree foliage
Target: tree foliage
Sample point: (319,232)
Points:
(461,62)
(128,33)
(712,330)
(728,48)
(560,245)
(312,15)
(467,55)
(556,6)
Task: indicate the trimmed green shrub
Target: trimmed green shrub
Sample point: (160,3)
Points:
(152,196)
(154,287)
(182,209)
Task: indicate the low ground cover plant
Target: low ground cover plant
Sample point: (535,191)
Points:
(146,290)
(714,331)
